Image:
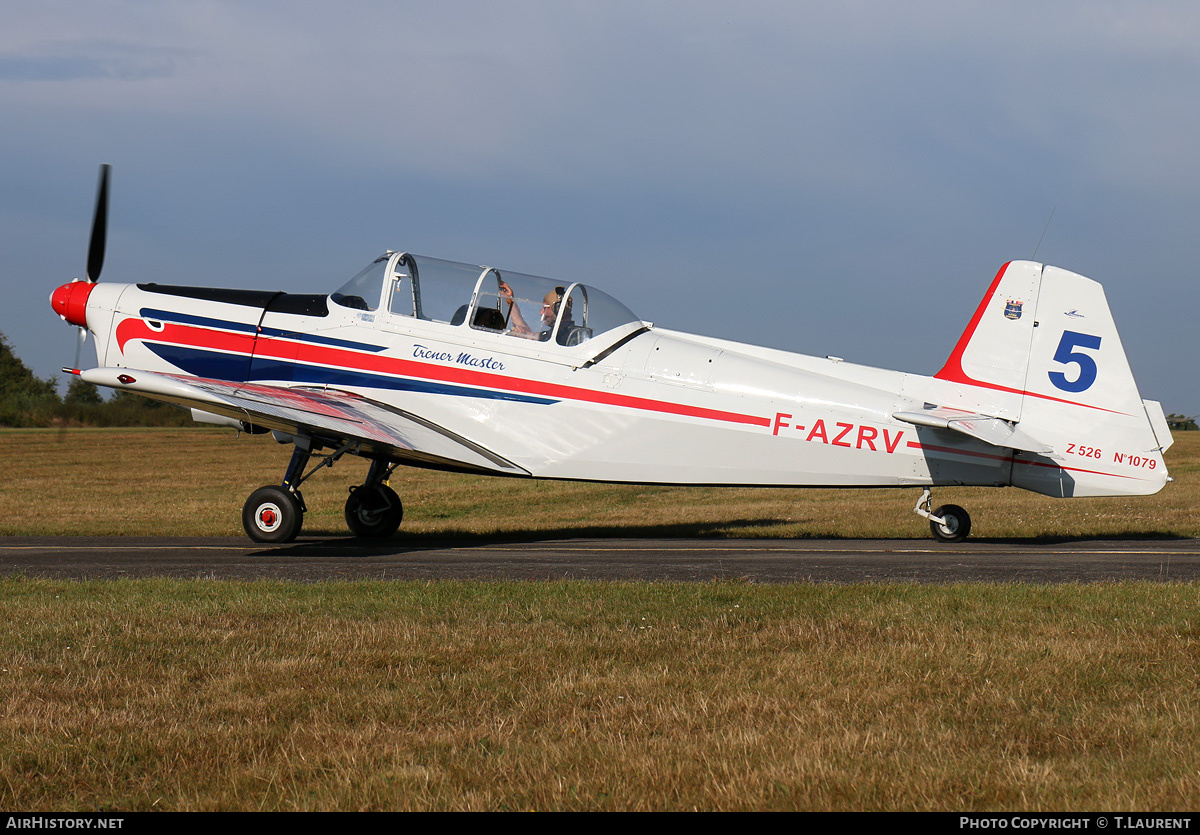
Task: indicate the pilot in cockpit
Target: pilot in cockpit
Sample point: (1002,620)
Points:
(551,304)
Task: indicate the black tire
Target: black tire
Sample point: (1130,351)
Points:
(957,527)
(373,511)
(272,514)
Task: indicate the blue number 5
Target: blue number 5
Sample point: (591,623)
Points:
(1067,355)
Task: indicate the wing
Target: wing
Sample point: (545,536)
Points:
(332,417)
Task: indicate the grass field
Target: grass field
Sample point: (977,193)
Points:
(194,482)
(205,695)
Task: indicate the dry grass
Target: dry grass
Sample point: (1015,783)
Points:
(571,696)
(193,482)
(155,694)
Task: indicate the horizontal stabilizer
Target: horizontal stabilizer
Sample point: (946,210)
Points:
(990,430)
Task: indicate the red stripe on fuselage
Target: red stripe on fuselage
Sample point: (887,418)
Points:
(307,353)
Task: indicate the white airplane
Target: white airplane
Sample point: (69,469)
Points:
(451,366)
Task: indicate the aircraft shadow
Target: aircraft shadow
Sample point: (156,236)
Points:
(318,542)
(330,543)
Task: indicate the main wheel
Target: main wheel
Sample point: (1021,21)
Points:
(272,514)
(958,524)
(373,511)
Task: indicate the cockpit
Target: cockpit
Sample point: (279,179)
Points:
(484,299)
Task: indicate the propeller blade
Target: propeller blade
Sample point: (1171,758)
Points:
(79,345)
(95,258)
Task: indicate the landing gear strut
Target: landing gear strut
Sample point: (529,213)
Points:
(275,513)
(949,523)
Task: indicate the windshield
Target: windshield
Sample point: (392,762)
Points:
(362,291)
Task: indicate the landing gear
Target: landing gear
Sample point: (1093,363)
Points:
(275,513)
(949,523)
(955,524)
(272,514)
(373,509)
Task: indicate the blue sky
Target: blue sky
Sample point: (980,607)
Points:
(825,178)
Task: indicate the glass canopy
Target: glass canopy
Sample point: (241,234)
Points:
(484,298)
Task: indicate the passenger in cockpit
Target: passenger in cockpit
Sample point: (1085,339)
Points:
(550,307)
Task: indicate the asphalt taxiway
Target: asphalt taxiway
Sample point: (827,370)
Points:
(694,560)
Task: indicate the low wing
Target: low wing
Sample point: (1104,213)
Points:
(991,430)
(328,415)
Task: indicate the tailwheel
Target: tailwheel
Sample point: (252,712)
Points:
(955,524)
(373,510)
(272,514)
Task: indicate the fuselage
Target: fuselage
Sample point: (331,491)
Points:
(633,403)
(662,407)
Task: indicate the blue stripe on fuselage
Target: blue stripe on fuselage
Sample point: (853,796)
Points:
(218,366)
(245,327)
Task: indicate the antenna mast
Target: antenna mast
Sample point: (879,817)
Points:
(1047,226)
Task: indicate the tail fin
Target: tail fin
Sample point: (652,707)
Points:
(992,355)
(1043,350)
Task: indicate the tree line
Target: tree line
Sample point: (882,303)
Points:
(28,401)
(1181,423)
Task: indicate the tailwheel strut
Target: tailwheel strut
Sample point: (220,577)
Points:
(948,523)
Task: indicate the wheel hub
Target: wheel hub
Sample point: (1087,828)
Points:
(269,517)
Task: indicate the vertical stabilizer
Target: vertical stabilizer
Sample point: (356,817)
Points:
(1043,350)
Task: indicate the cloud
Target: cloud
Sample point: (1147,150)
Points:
(775,95)
(86,60)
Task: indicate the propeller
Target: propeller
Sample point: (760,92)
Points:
(99,226)
(70,300)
